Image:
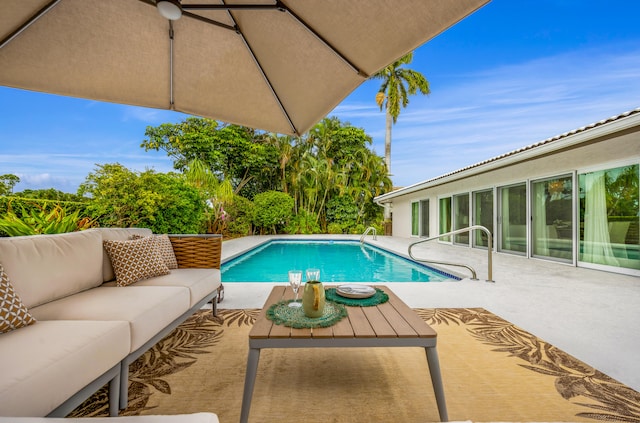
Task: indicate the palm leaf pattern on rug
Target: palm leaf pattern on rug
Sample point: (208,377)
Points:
(605,398)
(609,400)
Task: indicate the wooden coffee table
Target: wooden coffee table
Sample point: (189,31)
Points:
(392,324)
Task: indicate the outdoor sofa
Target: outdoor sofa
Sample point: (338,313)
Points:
(78,328)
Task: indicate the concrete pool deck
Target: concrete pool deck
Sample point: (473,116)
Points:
(590,314)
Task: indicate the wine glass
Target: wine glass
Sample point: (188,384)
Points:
(313,275)
(295,279)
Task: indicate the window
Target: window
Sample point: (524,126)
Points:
(483,216)
(415,218)
(445,218)
(609,214)
(551,218)
(461,218)
(424,218)
(513,219)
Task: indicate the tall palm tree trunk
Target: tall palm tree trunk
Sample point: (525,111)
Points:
(387,142)
(387,156)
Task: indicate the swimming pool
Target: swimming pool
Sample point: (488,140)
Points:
(338,261)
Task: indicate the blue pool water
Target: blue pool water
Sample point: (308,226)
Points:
(338,261)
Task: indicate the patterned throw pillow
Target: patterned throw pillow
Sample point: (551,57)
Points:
(135,260)
(13,314)
(166,249)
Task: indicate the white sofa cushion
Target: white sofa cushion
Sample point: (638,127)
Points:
(48,362)
(13,314)
(178,418)
(44,268)
(148,309)
(201,282)
(118,234)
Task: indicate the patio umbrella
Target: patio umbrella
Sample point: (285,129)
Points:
(275,65)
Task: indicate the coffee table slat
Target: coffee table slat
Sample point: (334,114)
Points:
(380,325)
(360,324)
(398,322)
(262,326)
(412,318)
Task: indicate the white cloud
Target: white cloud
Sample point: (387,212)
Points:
(67,171)
(498,110)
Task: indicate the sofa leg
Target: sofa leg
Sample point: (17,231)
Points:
(124,386)
(214,307)
(114,396)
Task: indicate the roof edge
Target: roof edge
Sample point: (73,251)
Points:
(575,137)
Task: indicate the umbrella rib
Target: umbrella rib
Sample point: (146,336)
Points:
(40,13)
(324,41)
(264,75)
(266,78)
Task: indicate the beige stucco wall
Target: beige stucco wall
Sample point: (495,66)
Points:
(613,151)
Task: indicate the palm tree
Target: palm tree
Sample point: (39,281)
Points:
(398,83)
(217,193)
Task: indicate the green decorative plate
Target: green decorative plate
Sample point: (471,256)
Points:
(378,298)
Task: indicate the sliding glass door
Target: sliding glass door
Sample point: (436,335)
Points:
(424,218)
(609,214)
(461,218)
(552,218)
(415,218)
(483,215)
(445,218)
(512,219)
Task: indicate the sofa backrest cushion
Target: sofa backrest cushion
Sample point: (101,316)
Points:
(44,268)
(117,234)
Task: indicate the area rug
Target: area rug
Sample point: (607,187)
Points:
(491,369)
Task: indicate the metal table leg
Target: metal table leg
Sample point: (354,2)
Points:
(249,382)
(436,380)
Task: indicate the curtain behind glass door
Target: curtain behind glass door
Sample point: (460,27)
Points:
(424,218)
(445,218)
(609,217)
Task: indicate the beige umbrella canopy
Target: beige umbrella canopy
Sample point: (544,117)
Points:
(275,65)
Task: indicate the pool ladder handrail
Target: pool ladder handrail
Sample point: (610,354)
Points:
(459,231)
(370,229)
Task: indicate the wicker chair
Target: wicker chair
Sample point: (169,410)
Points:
(198,251)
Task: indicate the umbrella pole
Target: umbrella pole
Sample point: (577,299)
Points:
(171,34)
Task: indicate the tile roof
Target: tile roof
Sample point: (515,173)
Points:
(555,139)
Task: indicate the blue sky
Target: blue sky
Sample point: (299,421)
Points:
(512,74)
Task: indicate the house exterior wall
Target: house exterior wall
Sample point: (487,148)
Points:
(613,150)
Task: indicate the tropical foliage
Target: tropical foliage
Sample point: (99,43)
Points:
(165,203)
(237,181)
(42,220)
(398,83)
(7,182)
(272,210)
(332,160)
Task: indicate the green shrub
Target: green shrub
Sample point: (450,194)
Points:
(164,203)
(334,228)
(272,210)
(343,211)
(303,223)
(239,216)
